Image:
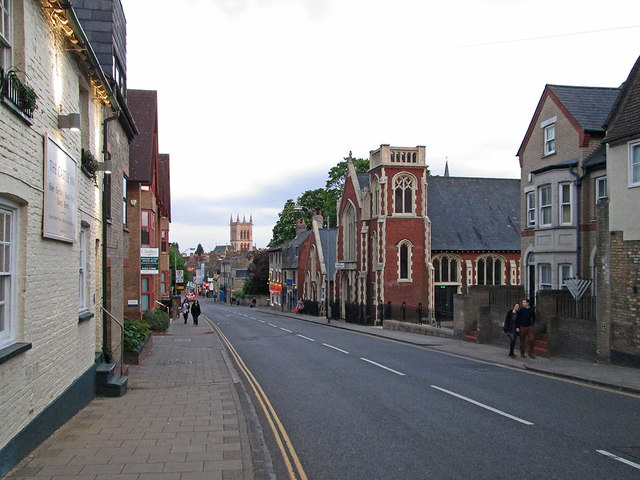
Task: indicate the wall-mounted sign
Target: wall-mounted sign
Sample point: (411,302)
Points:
(132,303)
(149,261)
(179,276)
(289,281)
(60,198)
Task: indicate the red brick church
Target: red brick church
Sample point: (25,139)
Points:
(402,233)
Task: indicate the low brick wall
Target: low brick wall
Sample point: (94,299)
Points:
(417,328)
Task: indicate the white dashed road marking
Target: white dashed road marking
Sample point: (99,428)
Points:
(382,366)
(482,405)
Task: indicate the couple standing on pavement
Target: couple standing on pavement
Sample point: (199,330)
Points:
(195,310)
(519,322)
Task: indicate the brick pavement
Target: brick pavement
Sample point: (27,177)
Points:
(180,420)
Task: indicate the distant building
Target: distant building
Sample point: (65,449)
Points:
(241,234)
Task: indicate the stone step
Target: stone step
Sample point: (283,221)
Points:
(115,387)
(471,336)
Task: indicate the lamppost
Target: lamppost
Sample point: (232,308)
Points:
(175,268)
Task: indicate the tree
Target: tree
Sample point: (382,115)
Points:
(177,262)
(338,174)
(199,250)
(285,228)
(257,281)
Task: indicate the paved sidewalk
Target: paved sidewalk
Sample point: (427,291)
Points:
(611,376)
(180,420)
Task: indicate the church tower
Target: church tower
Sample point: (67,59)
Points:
(241,233)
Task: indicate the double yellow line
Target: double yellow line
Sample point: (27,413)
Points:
(291,460)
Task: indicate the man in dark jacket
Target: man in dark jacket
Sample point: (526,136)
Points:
(524,326)
(195,311)
(509,327)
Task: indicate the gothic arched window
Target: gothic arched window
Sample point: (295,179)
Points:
(349,233)
(403,186)
(490,270)
(405,251)
(446,269)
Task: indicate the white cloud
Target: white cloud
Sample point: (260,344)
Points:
(258,99)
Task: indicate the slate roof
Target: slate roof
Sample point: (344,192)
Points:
(363,180)
(328,240)
(624,120)
(289,257)
(220,249)
(474,213)
(590,106)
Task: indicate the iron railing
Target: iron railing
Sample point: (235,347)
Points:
(405,313)
(584,309)
(17,93)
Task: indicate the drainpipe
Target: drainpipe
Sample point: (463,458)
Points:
(106,348)
(578,183)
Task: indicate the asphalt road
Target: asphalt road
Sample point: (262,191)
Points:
(360,407)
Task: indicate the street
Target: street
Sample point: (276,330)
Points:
(357,407)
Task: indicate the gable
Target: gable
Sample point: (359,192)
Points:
(586,108)
(624,121)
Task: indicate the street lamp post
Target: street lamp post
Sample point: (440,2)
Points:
(175,268)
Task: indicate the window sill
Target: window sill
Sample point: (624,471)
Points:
(550,154)
(13,350)
(11,106)
(85,315)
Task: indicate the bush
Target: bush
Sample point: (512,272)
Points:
(135,331)
(157,319)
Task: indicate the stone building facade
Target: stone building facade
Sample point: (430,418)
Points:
(241,233)
(52,210)
(618,310)
(558,187)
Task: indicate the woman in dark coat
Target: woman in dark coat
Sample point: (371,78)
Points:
(510,327)
(195,311)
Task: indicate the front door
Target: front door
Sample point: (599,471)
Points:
(444,302)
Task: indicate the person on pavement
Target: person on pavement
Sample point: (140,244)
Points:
(509,327)
(524,327)
(195,311)
(184,309)
(300,306)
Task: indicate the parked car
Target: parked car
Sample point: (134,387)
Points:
(190,296)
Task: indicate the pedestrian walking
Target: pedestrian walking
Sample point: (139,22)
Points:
(509,327)
(184,309)
(195,311)
(300,306)
(524,327)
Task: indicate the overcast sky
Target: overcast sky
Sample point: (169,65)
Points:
(258,99)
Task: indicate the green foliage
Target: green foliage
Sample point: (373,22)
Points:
(180,263)
(135,331)
(338,174)
(158,320)
(199,250)
(257,281)
(285,228)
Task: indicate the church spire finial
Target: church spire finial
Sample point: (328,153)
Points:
(446,167)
